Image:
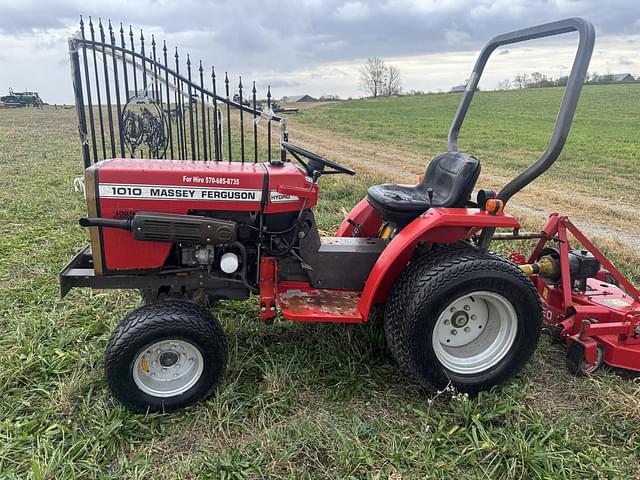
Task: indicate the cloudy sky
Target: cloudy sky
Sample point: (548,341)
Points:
(316,46)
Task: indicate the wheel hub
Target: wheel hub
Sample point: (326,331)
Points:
(168,359)
(474,332)
(462,322)
(168,367)
(459,319)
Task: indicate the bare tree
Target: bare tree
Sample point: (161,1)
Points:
(504,84)
(393,83)
(520,80)
(373,76)
(537,79)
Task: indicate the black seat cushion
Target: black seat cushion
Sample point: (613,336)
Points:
(451,175)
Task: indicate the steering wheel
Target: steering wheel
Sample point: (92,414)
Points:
(316,162)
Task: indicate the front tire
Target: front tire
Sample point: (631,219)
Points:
(165,356)
(463,317)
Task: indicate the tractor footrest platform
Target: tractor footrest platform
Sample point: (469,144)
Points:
(300,302)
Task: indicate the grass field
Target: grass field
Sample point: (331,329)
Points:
(299,401)
(507,130)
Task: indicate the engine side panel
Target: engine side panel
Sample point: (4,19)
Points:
(126,186)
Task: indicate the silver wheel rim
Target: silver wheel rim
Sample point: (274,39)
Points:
(167,368)
(474,332)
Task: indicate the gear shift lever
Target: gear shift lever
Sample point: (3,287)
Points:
(430,195)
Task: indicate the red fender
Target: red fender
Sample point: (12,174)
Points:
(362,214)
(438,225)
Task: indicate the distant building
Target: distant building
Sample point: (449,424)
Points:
(299,99)
(458,89)
(614,78)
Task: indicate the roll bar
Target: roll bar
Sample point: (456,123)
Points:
(569,101)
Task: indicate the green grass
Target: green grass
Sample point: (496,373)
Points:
(298,401)
(508,130)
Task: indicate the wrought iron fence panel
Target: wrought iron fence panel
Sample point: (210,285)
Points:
(135,101)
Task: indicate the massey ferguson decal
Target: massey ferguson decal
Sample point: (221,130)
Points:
(178,192)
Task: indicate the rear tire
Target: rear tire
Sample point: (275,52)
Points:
(165,356)
(463,317)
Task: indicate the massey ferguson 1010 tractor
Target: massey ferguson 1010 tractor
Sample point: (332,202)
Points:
(190,233)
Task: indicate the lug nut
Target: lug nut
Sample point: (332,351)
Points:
(454,332)
(263,309)
(446,322)
(467,308)
(473,317)
(272,309)
(467,329)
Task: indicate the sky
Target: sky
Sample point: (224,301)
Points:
(317,46)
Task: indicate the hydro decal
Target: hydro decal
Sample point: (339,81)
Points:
(178,192)
(276,197)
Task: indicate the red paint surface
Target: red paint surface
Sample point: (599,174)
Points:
(362,214)
(300,302)
(122,252)
(604,314)
(442,225)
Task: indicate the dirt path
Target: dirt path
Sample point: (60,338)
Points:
(597,217)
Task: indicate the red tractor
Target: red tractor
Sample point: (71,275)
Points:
(190,233)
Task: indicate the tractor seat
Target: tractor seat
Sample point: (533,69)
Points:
(451,175)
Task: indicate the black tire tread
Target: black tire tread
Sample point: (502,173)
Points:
(158,318)
(403,290)
(420,281)
(575,357)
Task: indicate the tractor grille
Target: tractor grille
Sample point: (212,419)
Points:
(192,229)
(161,230)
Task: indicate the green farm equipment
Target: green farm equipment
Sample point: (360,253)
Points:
(21,99)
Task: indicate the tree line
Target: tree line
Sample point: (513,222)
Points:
(540,80)
(379,79)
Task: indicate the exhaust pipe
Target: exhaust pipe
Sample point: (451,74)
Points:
(167,227)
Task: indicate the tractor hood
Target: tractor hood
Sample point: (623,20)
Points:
(119,188)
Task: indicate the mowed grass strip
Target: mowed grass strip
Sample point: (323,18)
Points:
(299,401)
